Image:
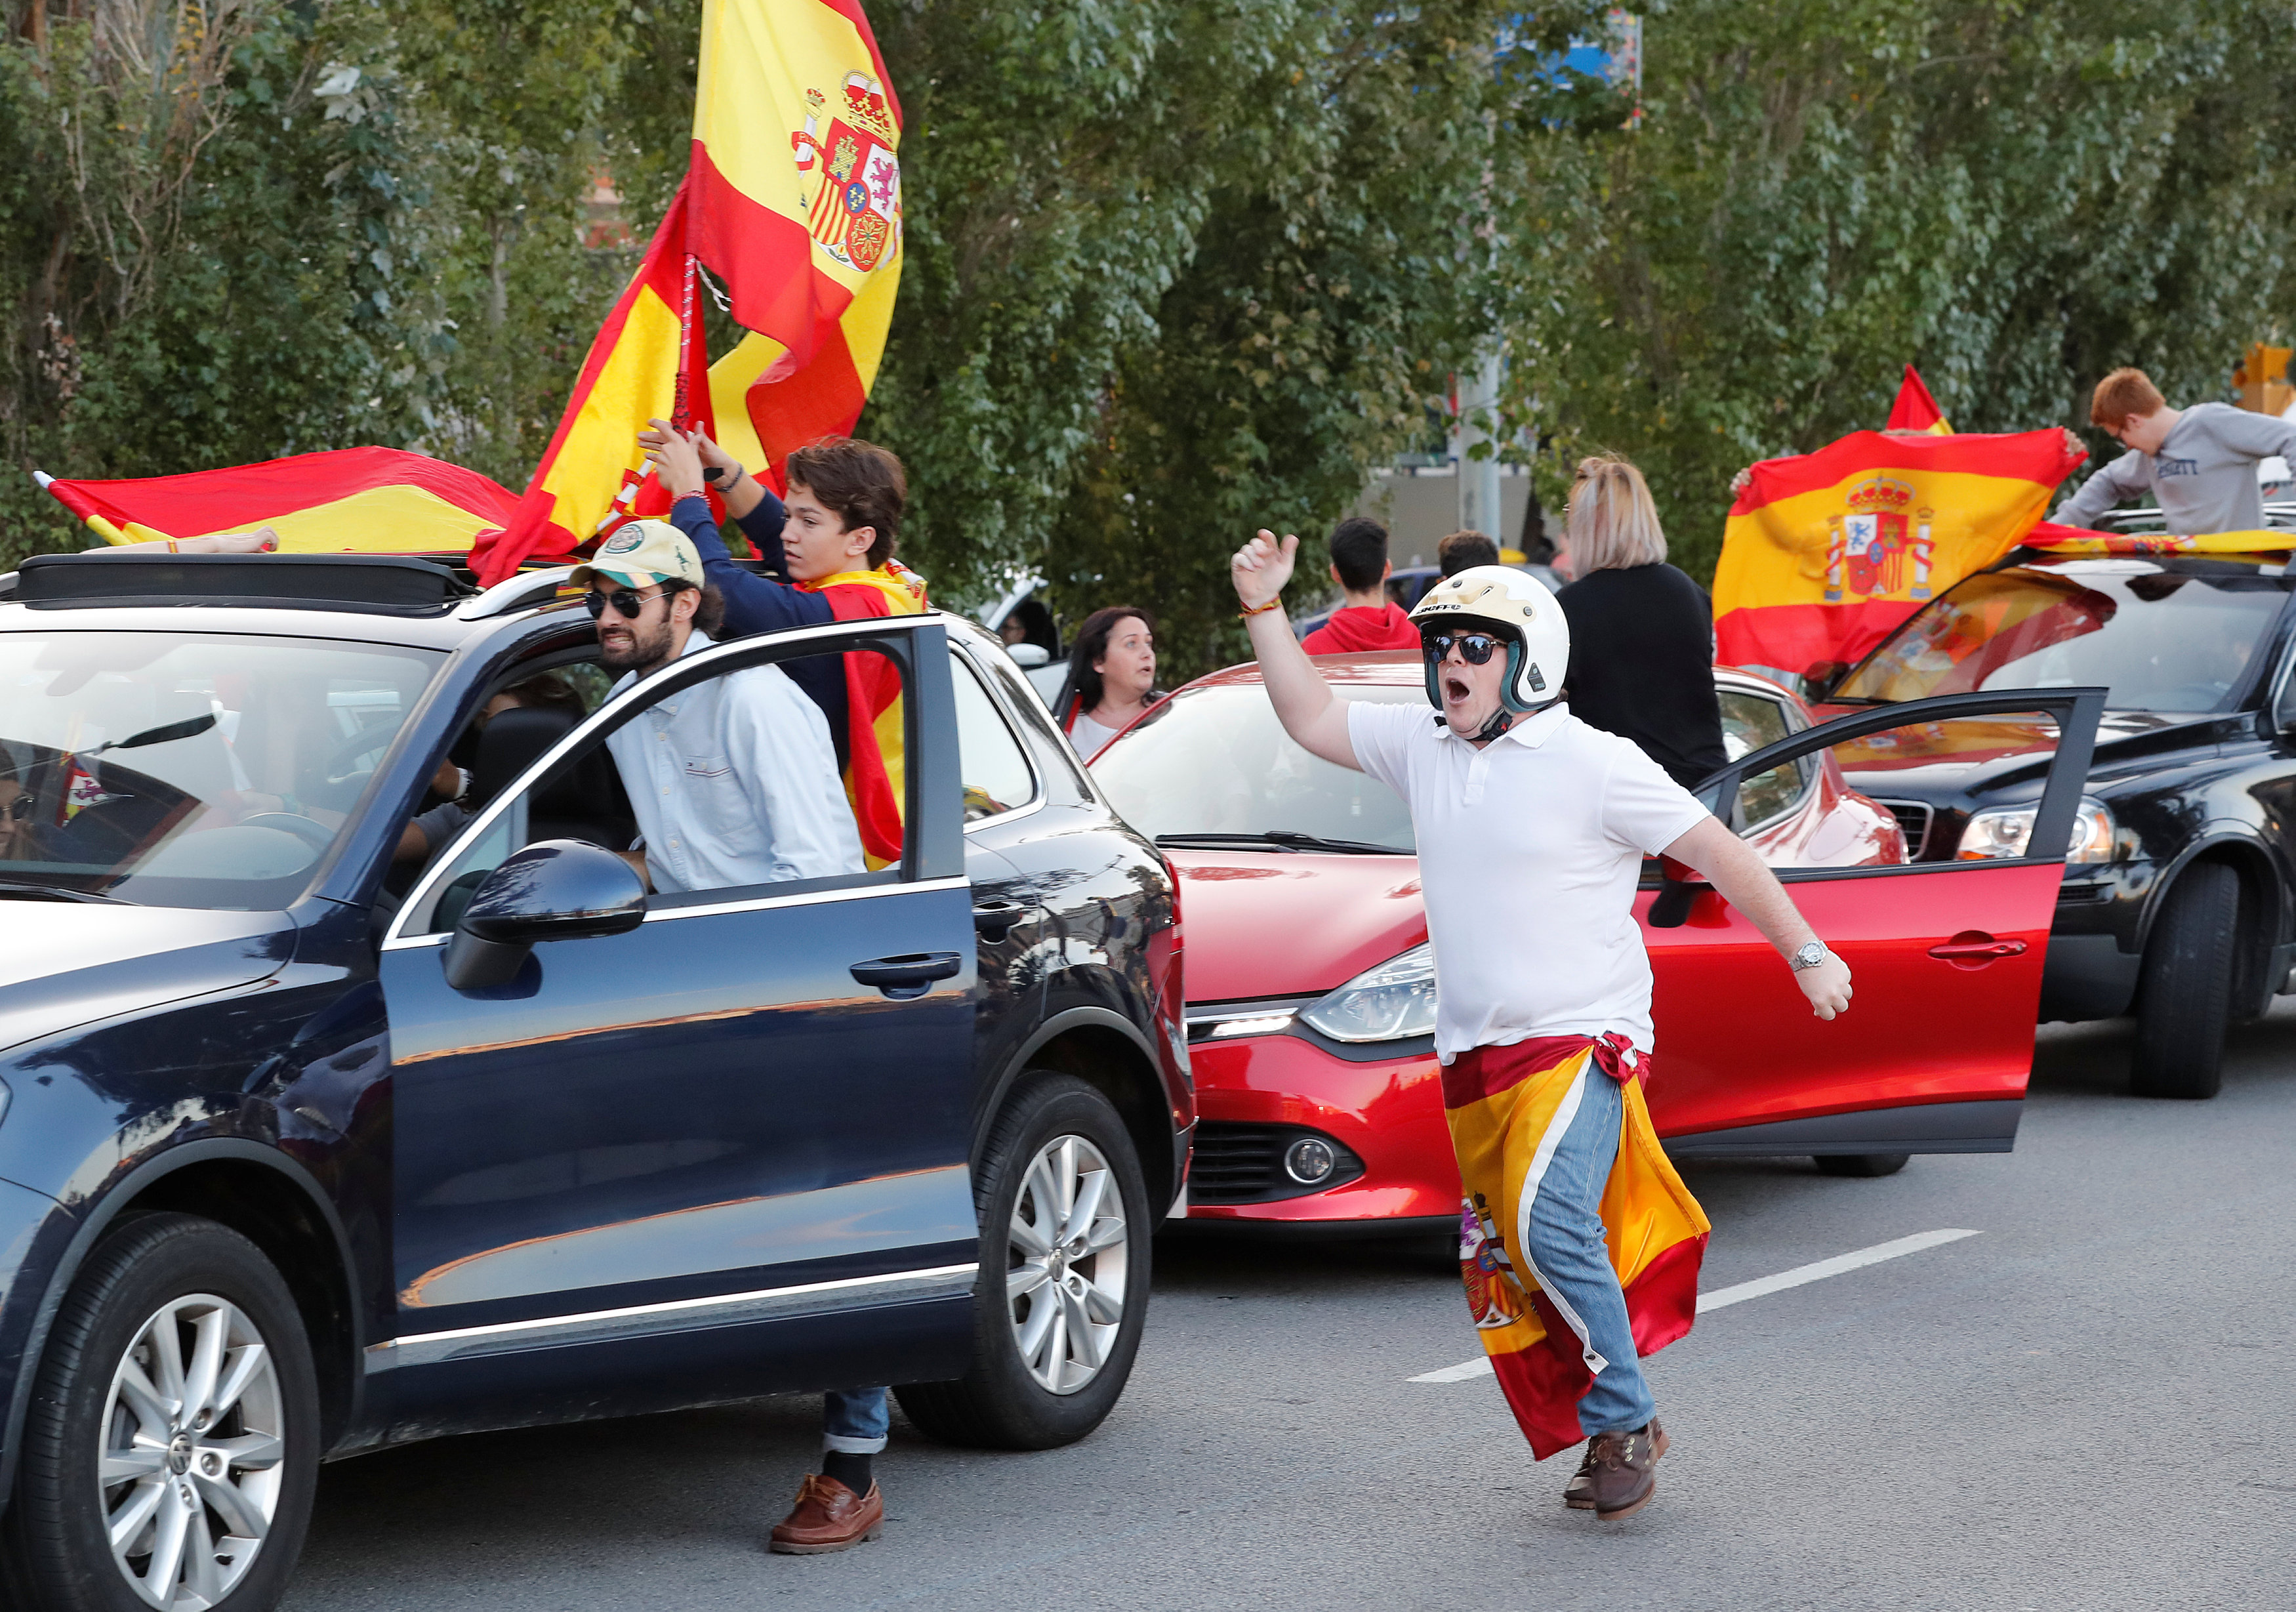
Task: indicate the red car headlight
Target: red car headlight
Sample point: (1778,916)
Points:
(1392,1002)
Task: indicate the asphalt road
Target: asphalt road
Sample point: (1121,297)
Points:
(2090,1404)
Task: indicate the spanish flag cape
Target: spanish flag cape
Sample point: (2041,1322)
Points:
(874,770)
(1508,1106)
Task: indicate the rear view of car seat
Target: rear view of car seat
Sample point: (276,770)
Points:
(581,801)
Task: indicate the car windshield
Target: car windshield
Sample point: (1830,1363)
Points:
(188,770)
(2158,641)
(1216,761)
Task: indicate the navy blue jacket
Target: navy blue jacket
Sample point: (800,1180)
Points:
(756,603)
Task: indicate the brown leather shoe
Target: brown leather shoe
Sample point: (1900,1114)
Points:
(1579,1494)
(828,1517)
(1623,1469)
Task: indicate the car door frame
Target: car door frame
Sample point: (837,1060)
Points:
(1971,1126)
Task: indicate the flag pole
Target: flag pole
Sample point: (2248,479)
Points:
(681,413)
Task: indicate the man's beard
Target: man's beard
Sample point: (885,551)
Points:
(649,648)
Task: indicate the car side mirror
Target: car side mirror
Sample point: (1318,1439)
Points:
(1028,656)
(555,890)
(1819,678)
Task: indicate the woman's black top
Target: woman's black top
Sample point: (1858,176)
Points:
(1642,665)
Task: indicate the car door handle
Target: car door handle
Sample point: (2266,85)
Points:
(911,974)
(1975,949)
(994,919)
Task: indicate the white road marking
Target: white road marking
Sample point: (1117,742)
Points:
(1723,1298)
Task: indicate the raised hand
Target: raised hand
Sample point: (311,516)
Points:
(676,457)
(1261,568)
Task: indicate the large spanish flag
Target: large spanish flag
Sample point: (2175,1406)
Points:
(358,500)
(797,187)
(1826,553)
(592,474)
(1508,1106)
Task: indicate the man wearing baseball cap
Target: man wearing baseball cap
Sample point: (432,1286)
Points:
(1531,828)
(748,749)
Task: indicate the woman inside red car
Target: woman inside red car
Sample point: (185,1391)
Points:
(1531,828)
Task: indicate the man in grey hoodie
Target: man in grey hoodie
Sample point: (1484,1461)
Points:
(2198,464)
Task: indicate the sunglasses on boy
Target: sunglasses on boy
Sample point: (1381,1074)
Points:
(627,601)
(1475,647)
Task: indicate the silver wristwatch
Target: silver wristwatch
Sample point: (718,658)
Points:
(1808,956)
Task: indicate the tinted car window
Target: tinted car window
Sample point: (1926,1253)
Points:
(189,770)
(2160,640)
(996,776)
(1216,761)
(1749,722)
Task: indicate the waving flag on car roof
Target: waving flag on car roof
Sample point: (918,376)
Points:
(1826,553)
(358,500)
(793,199)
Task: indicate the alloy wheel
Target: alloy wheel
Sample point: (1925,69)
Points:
(193,1444)
(1066,1265)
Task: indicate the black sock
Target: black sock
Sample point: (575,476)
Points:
(851,1470)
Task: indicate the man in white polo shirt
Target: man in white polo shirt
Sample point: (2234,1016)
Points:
(733,781)
(1579,1244)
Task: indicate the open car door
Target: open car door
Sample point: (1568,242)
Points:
(1945,958)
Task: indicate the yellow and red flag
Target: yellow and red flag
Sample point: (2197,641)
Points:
(646,361)
(1915,409)
(2081,540)
(874,776)
(1501,1102)
(1826,553)
(352,501)
(793,199)
(797,185)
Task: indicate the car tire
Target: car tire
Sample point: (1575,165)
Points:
(237,1472)
(2184,997)
(1033,1383)
(1861,1166)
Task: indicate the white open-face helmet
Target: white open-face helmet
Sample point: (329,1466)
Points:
(1510,604)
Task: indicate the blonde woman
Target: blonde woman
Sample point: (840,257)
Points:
(1642,633)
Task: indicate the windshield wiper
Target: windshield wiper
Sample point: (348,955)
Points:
(1285,839)
(56,893)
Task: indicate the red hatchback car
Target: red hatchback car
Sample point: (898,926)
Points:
(1311,984)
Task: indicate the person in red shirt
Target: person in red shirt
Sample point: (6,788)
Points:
(1365,619)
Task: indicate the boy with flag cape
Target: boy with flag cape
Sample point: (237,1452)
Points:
(1579,1245)
(829,553)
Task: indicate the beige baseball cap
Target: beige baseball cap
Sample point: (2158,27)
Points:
(639,554)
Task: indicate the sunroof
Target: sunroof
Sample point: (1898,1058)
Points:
(378,584)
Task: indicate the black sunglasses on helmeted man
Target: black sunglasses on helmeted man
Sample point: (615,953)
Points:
(1475,647)
(627,601)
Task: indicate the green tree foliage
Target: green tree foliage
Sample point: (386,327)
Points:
(2016,197)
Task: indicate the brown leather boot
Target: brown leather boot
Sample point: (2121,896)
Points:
(1579,1494)
(828,1517)
(1623,1475)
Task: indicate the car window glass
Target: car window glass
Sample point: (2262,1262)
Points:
(198,770)
(994,767)
(740,782)
(1923,776)
(1750,721)
(1216,761)
(2162,640)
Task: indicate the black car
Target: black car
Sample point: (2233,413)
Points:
(2176,901)
(311,1148)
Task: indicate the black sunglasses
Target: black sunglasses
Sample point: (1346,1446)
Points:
(21,807)
(1475,647)
(626,600)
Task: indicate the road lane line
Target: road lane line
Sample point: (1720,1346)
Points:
(1723,1298)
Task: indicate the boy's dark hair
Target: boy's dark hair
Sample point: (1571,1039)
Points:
(1359,553)
(710,615)
(1464,551)
(860,482)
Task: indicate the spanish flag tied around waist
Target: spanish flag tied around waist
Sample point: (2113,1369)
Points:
(1826,553)
(793,199)
(874,776)
(360,500)
(1502,1102)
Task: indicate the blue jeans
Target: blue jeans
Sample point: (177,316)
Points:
(853,1422)
(1571,1261)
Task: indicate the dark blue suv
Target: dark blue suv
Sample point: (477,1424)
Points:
(320,1136)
